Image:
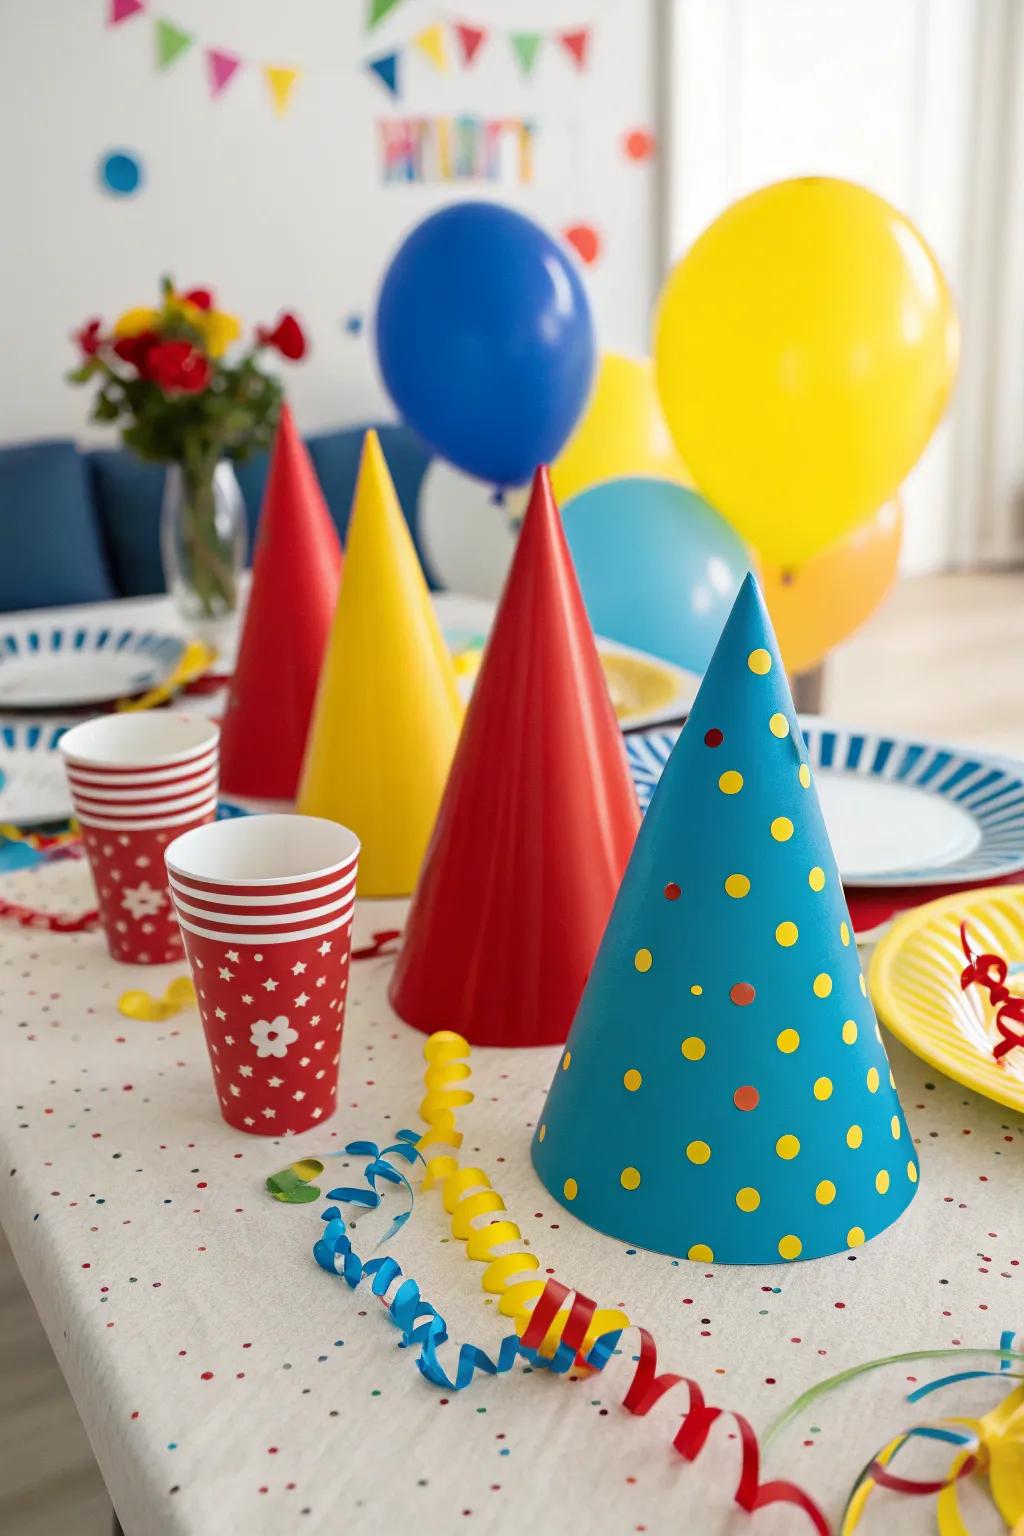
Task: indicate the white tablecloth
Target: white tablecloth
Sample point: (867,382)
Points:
(229,1385)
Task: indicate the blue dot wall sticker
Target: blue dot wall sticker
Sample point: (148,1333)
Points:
(724,1093)
(120,173)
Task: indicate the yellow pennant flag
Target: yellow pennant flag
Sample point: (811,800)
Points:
(431,43)
(280,82)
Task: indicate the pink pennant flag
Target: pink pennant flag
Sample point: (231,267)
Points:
(576,44)
(121,10)
(221,67)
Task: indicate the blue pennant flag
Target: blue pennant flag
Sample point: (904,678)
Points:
(385,67)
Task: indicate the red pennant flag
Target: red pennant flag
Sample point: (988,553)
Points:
(121,10)
(471,39)
(576,43)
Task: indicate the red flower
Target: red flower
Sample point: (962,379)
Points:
(287,336)
(202,298)
(88,338)
(176,365)
(134,350)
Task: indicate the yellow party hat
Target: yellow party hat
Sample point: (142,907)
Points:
(387,711)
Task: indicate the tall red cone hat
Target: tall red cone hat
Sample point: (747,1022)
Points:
(295,575)
(537,821)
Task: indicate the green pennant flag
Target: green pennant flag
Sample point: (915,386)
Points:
(526,46)
(378,10)
(170,42)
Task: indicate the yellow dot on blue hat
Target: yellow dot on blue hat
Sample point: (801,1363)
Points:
(570,1189)
(779,726)
(855,1237)
(804,776)
(850,1032)
(863,986)
(787,1147)
(787,1041)
(790,1247)
(566,1061)
(825,1192)
(542,1133)
(730,782)
(787,934)
(816,878)
(629,1178)
(737,886)
(844,934)
(912,1172)
(643,960)
(822,1088)
(693,1048)
(822,984)
(698,1152)
(854,1136)
(700,1253)
(872,1079)
(632,1080)
(782,829)
(882,1181)
(748,1198)
(895,1127)
(696,990)
(760,661)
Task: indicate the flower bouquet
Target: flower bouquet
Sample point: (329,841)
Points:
(164,374)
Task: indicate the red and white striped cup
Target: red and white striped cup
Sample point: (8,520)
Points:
(265,906)
(138,781)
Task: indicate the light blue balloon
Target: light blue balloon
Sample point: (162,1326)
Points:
(659,568)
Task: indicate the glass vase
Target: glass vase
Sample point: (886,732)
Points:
(203,543)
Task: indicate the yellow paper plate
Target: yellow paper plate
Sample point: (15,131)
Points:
(914,980)
(641,687)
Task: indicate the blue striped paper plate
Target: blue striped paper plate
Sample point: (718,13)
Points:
(899,811)
(64,666)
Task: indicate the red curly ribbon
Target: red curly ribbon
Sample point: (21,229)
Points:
(647,1387)
(379,945)
(886,1479)
(989,971)
(56,922)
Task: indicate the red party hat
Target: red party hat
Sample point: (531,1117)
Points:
(536,824)
(295,576)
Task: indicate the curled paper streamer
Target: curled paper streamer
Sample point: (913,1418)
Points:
(990,972)
(382,941)
(562,1336)
(180,994)
(54,922)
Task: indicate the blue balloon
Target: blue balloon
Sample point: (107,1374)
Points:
(659,568)
(485,340)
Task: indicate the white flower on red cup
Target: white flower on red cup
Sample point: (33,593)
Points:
(143,900)
(272,1037)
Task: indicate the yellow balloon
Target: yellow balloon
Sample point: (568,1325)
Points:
(821,603)
(805,348)
(622,432)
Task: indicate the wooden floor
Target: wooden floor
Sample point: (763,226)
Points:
(945,657)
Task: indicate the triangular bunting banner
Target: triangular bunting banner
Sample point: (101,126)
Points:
(121,10)
(576,44)
(431,43)
(280,83)
(386,69)
(378,9)
(171,42)
(526,46)
(471,40)
(221,67)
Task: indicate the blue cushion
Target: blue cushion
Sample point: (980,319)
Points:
(128,494)
(50,547)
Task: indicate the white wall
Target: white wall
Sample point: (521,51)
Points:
(284,212)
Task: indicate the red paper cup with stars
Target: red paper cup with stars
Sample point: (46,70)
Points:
(265,907)
(137,782)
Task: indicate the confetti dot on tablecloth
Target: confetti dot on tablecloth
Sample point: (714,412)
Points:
(779,726)
(700,1253)
(643,960)
(748,1198)
(566,1061)
(790,1247)
(816,878)
(787,934)
(872,1080)
(912,1176)
(629,1178)
(632,1080)
(782,829)
(787,1041)
(844,934)
(855,1237)
(570,1189)
(737,886)
(760,661)
(882,1181)
(895,1127)
(804,776)
(730,782)
(693,1048)
(698,1152)
(822,1088)
(787,1147)
(673,891)
(822,984)
(854,1136)
(742,994)
(746,1097)
(825,1192)
(696,990)
(713,738)
(850,1032)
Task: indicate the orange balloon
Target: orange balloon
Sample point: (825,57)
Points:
(821,603)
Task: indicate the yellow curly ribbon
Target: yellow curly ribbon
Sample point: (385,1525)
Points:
(181,994)
(475,1206)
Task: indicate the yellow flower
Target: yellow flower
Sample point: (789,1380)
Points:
(181,309)
(219,330)
(134,321)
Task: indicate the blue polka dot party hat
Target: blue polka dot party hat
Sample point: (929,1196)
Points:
(724,1094)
